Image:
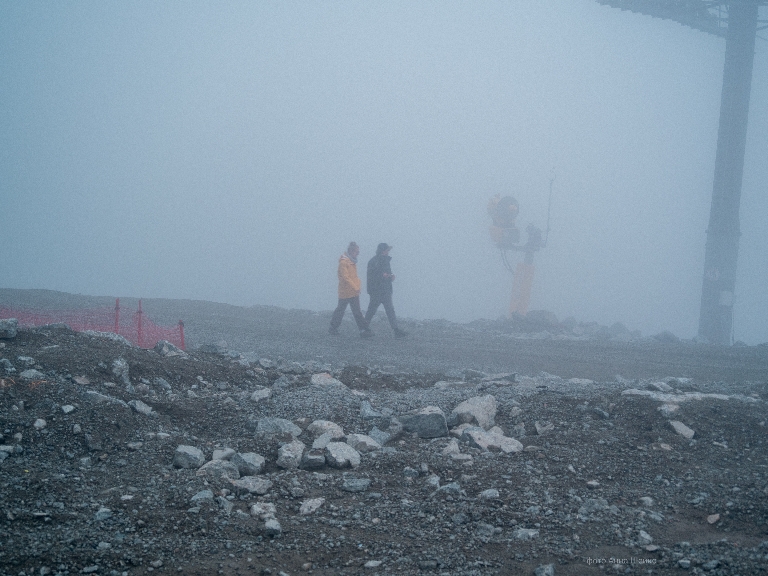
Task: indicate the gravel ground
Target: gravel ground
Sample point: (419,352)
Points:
(600,477)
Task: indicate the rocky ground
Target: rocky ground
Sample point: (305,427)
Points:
(528,447)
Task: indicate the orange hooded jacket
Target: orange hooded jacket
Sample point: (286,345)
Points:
(349,282)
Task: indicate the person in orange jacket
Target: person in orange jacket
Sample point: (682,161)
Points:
(349,292)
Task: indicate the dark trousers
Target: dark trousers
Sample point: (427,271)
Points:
(373,305)
(338,314)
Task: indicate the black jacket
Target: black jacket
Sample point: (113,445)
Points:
(376,283)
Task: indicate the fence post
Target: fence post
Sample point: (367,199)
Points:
(117,315)
(140,314)
(181,331)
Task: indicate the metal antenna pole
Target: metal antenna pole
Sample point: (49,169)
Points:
(549,208)
(722,246)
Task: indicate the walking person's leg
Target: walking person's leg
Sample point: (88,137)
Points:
(373,305)
(362,325)
(389,308)
(338,314)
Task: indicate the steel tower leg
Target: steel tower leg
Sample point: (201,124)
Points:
(722,247)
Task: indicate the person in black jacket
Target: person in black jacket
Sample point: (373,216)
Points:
(379,284)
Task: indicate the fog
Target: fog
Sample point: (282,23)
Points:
(230,151)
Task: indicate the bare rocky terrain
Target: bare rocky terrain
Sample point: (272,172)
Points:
(528,446)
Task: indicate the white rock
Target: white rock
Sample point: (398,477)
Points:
(289,455)
(140,407)
(249,463)
(479,410)
(543,427)
(272,527)
(167,350)
(682,429)
(67,408)
(309,506)
(252,484)
(489,494)
(662,386)
(525,534)
(341,455)
(644,538)
(452,448)
(363,443)
(261,393)
(668,409)
(320,427)
(263,510)
(40,424)
(203,495)
(224,454)
(188,457)
(325,380)
(218,470)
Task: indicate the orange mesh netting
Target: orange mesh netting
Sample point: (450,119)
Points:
(137,328)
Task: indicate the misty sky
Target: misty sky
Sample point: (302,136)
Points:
(229,151)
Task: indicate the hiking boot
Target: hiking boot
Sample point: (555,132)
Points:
(400,333)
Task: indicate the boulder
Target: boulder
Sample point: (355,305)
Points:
(188,457)
(479,410)
(428,422)
(218,470)
(248,463)
(363,443)
(320,427)
(9,328)
(251,485)
(275,426)
(289,455)
(341,455)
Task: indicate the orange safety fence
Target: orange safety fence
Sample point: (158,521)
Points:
(137,328)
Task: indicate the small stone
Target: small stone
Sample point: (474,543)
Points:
(544,570)
(668,409)
(489,494)
(525,534)
(261,393)
(543,427)
(356,484)
(102,514)
(40,424)
(325,380)
(309,506)
(713,518)
(141,408)
(373,564)
(272,527)
(202,495)
(593,484)
(263,510)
